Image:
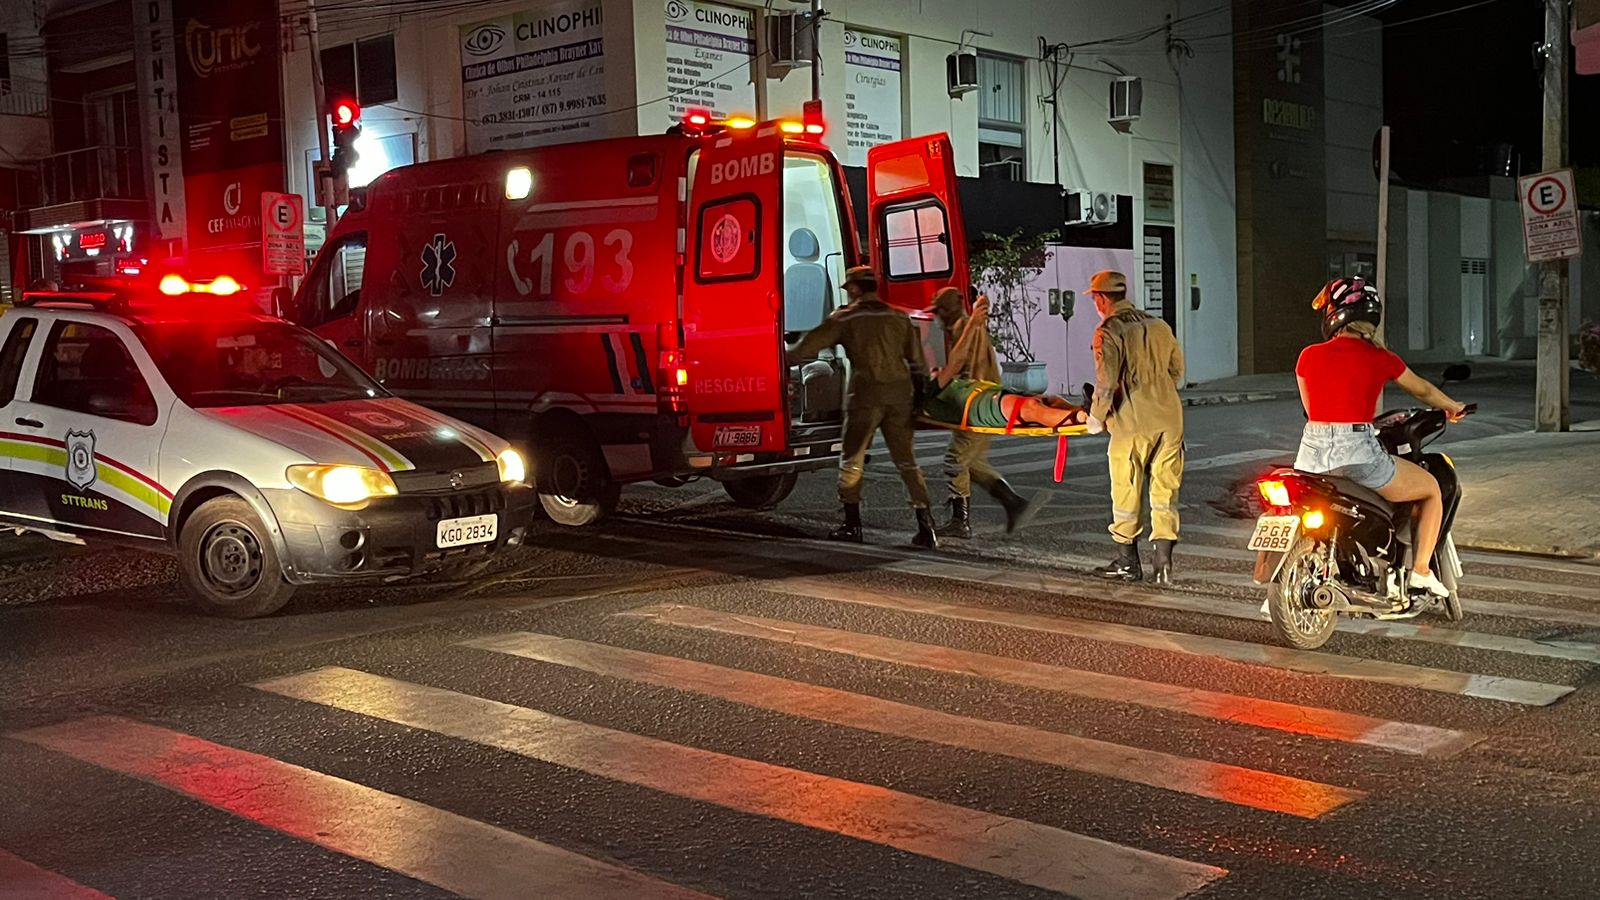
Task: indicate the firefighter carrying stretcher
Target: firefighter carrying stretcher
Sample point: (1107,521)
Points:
(887,364)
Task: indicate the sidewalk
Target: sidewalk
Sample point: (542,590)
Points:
(1240,389)
(1531,493)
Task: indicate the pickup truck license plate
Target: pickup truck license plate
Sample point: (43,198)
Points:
(1275,534)
(468,530)
(736,436)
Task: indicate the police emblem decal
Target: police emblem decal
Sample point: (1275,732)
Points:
(726,237)
(80,459)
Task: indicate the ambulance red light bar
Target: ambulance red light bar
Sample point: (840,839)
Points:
(174,285)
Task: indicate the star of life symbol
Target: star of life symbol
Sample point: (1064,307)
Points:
(438,269)
(80,459)
(1288,59)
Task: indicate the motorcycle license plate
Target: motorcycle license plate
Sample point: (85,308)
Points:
(1275,534)
(736,436)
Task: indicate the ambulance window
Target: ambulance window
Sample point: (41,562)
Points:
(11,356)
(336,288)
(88,369)
(729,248)
(811,204)
(918,237)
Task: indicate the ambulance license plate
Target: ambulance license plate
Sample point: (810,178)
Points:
(736,436)
(1275,534)
(468,530)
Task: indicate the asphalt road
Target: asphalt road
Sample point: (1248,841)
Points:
(700,700)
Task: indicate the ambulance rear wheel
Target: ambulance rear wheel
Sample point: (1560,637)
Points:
(575,484)
(762,491)
(229,565)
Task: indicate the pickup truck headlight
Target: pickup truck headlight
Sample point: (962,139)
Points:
(512,468)
(349,486)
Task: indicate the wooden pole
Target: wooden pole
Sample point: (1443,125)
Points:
(1552,411)
(1382,281)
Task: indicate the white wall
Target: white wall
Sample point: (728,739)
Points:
(1353,94)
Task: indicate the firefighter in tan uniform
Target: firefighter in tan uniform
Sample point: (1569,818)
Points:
(1138,368)
(969,354)
(886,368)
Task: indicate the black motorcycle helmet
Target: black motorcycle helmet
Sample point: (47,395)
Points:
(1346,300)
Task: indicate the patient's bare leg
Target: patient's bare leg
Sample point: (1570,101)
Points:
(1039,411)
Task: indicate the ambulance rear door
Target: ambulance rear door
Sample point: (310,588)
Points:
(914,229)
(732,301)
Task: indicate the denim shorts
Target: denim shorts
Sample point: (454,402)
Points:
(1346,452)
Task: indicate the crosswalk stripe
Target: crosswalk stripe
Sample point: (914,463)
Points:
(1233,609)
(1405,737)
(1039,855)
(22,880)
(431,845)
(1218,781)
(1490,687)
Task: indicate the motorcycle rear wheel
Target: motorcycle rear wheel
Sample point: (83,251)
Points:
(1288,601)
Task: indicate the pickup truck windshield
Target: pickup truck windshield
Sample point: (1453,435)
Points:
(250,363)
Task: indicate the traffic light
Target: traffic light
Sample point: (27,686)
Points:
(346,128)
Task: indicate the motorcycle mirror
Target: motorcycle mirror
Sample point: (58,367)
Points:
(1457,372)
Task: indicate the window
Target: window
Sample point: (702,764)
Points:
(729,248)
(364,70)
(5,64)
(335,290)
(88,369)
(252,363)
(918,237)
(1001,90)
(11,356)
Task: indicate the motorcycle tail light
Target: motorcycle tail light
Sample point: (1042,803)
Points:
(1274,492)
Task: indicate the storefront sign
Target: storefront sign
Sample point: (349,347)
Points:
(535,78)
(872,99)
(709,53)
(158,93)
(230,104)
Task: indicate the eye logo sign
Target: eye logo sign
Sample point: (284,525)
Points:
(677,10)
(484,40)
(438,265)
(849,38)
(80,459)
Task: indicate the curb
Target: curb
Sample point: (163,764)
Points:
(1229,399)
(1494,546)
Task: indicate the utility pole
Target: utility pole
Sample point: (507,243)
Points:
(816,50)
(1551,405)
(1382,280)
(324,185)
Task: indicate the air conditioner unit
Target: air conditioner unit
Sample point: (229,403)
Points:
(961,72)
(790,40)
(1091,208)
(1127,98)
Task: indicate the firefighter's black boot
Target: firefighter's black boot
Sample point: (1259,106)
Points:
(1163,561)
(1018,510)
(1125,567)
(960,524)
(850,530)
(926,538)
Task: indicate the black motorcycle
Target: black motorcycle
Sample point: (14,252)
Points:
(1329,547)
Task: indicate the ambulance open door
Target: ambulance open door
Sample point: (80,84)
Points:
(733,308)
(914,230)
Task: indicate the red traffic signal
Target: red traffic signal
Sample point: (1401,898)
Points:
(346,113)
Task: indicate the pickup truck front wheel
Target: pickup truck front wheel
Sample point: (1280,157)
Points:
(229,565)
(574,483)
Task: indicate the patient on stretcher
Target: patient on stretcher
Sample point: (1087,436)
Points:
(969,403)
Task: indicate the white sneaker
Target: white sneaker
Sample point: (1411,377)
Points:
(1429,583)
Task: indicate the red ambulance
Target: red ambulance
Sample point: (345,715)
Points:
(620,308)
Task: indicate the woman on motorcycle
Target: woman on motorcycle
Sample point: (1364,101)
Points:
(1340,381)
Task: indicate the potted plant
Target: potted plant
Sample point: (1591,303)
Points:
(1002,267)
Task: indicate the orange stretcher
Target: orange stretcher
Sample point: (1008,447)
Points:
(1060,433)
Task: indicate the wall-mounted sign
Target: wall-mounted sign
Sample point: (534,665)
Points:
(535,78)
(710,48)
(872,95)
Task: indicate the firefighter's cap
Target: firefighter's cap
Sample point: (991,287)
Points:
(1109,282)
(862,274)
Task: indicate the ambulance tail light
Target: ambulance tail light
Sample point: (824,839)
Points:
(696,120)
(672,372)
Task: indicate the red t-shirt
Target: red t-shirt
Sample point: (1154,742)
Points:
(1344,377)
